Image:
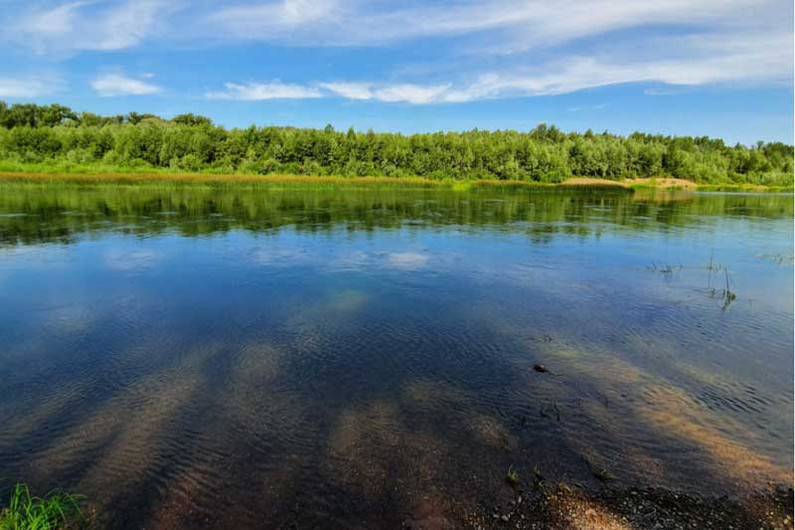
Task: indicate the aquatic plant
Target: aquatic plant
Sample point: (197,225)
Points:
(539,481)
(726,295)
(779,258)
(603,474)
(513,477)
(713,265)
(54,510)
(665,268)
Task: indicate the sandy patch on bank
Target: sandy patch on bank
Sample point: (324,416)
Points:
(663,183)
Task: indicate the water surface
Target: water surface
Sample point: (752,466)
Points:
(278,355)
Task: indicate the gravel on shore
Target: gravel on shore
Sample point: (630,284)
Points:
(568,507)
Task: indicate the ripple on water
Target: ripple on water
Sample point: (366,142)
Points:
(327,362)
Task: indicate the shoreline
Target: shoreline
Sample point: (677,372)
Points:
(537,506)
(575,183)
(618,508)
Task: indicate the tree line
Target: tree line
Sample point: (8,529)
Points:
(54,134)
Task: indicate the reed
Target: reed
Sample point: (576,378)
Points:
(54,510)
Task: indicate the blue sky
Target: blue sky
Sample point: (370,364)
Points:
(720,68)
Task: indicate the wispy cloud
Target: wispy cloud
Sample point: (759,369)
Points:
(261,91)
(661,91)
(26,87)
(600,106)
(361,91)
(745,61)
(508,25)
(271,20)
(522,22)
(752,63)
(118,84)
(411,93)
(390,93)
(477,49)
(90,25)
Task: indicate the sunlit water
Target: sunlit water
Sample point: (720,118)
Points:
(258,358)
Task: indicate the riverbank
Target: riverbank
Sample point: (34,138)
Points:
(157,178)
(623,508)
(169,179)
(561,506)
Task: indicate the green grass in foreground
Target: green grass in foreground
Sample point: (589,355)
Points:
(54,510)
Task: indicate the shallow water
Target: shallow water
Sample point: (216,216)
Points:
(198,357)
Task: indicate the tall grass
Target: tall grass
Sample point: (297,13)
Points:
(160,179)
(55,510)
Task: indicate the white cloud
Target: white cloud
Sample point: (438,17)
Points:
(390,93)
(89,25)
(481,49)
(117,84)
(741,56)
(350,90)
(521,23)
(410,93)
(266,20)
(25,88)
(707,61)
(260,91)
(57,21)
(746,61)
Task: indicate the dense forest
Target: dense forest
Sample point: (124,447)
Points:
(54,135)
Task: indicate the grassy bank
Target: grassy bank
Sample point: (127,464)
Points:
(163,178)
(171,179)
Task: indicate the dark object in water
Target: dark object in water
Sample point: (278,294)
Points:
(540,368)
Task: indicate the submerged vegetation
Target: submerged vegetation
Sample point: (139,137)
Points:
(54,138)
(512,477)
(54,510)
